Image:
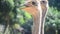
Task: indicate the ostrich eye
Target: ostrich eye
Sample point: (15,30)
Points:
(43,2)
(34,3)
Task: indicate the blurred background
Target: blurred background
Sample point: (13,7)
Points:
(52,23)
(24,20)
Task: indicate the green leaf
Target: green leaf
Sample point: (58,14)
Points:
(27,15)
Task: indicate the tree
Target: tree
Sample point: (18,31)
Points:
(12,16)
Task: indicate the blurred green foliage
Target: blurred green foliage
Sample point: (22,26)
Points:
(55,3)
(52,23)
(11,14)
(52,20)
